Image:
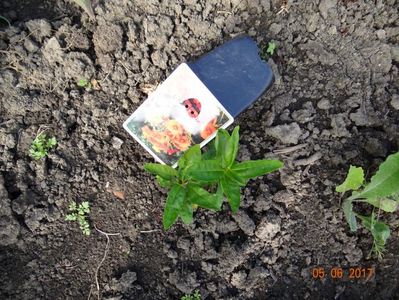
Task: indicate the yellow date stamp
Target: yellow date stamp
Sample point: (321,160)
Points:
(351,273)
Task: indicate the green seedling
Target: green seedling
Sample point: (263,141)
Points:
(202,180)
(271,47)
(195,296)
(266,51)
(86,5)
(41,145)
(79,213)
(382,192)
(84,83)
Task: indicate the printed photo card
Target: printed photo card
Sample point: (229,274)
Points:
(180,113)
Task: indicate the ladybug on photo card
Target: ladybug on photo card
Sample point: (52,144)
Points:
(193,107)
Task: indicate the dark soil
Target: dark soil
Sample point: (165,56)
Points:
(336,96)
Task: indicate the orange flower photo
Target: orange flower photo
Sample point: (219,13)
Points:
(182,112)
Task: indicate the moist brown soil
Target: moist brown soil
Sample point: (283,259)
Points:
(335,96)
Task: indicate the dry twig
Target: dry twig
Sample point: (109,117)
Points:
(107,235)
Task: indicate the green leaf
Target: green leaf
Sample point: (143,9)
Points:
(210,153)
(271,47)
(231,148)
(349,214)
(385,182)
(253,168)
(174,204)
(86,5)
(165,183)
(72,206)
(202,198)
(83,83)
(163,171)
(186,213)
(190,156)
(385,204)
(232,192)
(221,140)
(71,217)
(234,177)
(379,230)
(207,171)
(353,181)
(51,142)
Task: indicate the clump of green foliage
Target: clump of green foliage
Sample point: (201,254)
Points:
(86,5)
(382,192)
(266,51)
(195,296)
(84,83)
(202,180)
(80,213)
(41,145)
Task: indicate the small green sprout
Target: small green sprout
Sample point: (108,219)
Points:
(266,51)
(79,213)
(41,145)
(271,47)
(195,296)
(84,83)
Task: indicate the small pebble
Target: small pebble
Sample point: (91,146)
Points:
(324,104)
(395,102)
(116,143)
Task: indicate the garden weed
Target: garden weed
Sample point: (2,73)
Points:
(195,296)
(84,83)
(266,51)
(41,145)
(382,192)
(79,213)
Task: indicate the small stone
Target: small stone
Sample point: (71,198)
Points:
(325,6)
(74,94)
(285,197)
(395,53)
(239,279)
(108,38)
(211,286)
(287,133)
(52,51)
(30,45)
(125,282)
(395,102)
(304,115)
(381,34)
(267,230)
(39,28)
(9,230)
(183,244)
(339,122)
(160,59)
(313,22)
(116,143)
(275,28)
(244,222)
(324,104)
